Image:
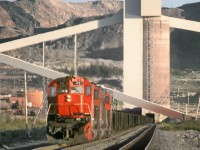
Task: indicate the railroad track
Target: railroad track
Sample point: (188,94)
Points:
(52,147)
(30,147)
(141,141)
(129,139)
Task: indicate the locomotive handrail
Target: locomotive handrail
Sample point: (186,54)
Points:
(48,111)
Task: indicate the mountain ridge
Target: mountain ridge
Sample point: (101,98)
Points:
(184,44)
(24,15)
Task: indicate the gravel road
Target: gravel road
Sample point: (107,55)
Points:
(175,140)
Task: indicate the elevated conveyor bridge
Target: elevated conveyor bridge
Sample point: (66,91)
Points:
(53,35)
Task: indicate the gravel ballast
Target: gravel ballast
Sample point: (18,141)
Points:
(175,140)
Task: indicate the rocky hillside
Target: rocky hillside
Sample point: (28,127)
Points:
(21,17)
(99,51)
(27,17)
(185,45)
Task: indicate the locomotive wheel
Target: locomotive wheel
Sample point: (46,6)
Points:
(88,131)
(94,134)
(50,139)
(109,133)
(75,141)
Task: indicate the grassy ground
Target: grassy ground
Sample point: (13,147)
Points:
(8,122)
(187,125)
(185,80)
(13,129)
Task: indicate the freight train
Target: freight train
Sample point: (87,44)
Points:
(80,111)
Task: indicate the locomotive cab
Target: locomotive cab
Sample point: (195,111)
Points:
(80,111)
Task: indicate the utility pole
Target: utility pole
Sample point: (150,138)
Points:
(198,108)
(178,91)
(188,98)
(0,112)
(25,93)
(178,106)
(14,82)
(44,81)
(0,95)
(43,105)
(75,55)
(43,58)
(186,110)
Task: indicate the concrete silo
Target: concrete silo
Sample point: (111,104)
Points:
(156,60)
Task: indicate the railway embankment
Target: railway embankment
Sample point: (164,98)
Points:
(162,140)
(175,140)
(18,138)
(13,133)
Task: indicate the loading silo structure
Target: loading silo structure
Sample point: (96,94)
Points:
(146,52)
(156,60)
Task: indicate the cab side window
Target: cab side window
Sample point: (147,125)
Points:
(52,91)
(107,99)
(96,94)
(88,90)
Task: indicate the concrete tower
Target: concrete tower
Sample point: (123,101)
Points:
(146,51)
(156,61)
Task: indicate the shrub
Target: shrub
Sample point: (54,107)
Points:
(8,122)
(100,71)
(187,125)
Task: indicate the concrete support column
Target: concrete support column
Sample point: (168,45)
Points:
(133,49)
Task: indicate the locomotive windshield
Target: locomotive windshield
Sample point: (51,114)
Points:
(77,89)
(62,89)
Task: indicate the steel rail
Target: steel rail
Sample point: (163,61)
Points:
(146,148)
(52,147)
(137,139)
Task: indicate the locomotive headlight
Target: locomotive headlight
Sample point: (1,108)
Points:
(69,99)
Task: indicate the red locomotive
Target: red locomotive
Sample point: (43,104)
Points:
(79,111)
